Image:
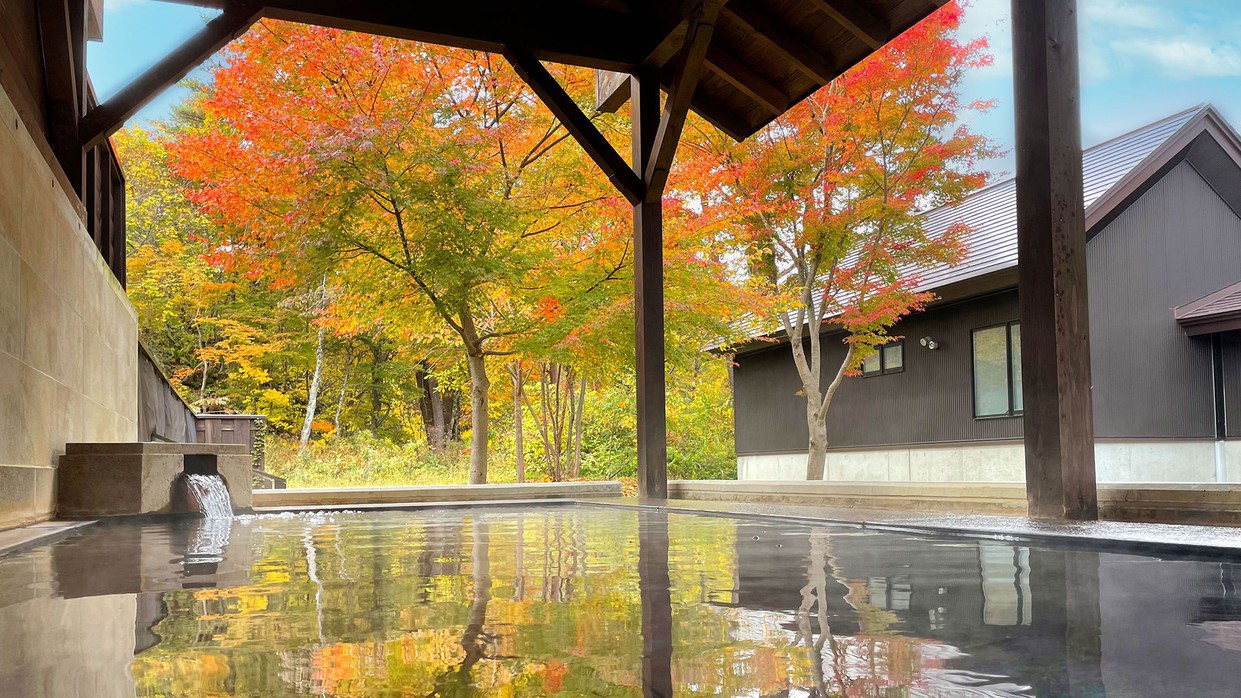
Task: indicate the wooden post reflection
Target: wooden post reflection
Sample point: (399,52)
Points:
(1066,601)
(654,587)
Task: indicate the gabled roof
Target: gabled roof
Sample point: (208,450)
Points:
(1113,173)
(1215,312)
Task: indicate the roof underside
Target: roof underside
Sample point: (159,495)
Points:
(765,55)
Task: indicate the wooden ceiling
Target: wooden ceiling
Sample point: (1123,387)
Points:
(768,55)
(764,55)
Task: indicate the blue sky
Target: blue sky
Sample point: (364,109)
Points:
(1141,59)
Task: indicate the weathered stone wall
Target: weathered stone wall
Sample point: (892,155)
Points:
(68,334)
(162,414)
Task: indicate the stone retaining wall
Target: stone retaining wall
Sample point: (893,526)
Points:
(68,364)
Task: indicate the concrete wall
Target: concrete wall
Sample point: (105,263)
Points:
(1146,460)
(162,414)
(68,364)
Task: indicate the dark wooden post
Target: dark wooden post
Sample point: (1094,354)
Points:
(1055,346)
(648,279)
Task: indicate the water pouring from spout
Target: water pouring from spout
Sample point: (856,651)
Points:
(211,494)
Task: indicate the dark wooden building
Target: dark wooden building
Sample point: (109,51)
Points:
(945,402)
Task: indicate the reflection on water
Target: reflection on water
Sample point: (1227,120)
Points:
(576,601)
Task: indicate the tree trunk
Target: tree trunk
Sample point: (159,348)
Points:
(202,387)
(312,400)
(519,443)
(816,458)
(438,418)
(480,421)
(557,420)
(817,405)
(439,427)
(577,430)
(340,404)
(452,411)
(376,390)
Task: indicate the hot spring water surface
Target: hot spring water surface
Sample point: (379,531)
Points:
(594,601)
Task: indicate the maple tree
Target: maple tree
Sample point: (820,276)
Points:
(448,203)
(825,202)
(374,154)
(218,333)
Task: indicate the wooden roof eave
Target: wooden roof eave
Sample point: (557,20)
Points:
(484,25)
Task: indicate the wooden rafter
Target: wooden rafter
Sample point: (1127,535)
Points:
(771,32)
(63,82)
(692,60)
(575,122)
(858,20)
(105,119)
(748,82)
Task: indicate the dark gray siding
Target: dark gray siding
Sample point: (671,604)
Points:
(1176,244)
(930,401)
(1232,383)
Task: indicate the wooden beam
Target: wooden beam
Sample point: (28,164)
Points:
(859,21)
(611,91)
(692,58)
(78,19)
(748,82)
(554,30)
(615,93)
(117,224)
(648,281)
(63,83)
(771,32)
(577,123)
(1051,248)
(107,118)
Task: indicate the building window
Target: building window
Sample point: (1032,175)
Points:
(889,358)
(997,371)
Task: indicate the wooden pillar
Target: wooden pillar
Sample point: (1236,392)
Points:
(1055,346)
(648,278)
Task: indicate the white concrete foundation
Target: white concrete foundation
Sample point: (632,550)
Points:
(1140,460)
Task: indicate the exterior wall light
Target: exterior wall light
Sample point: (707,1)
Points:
(929,343)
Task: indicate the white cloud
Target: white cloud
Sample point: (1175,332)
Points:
(1094,65)
(1184,59)
(1132,14)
